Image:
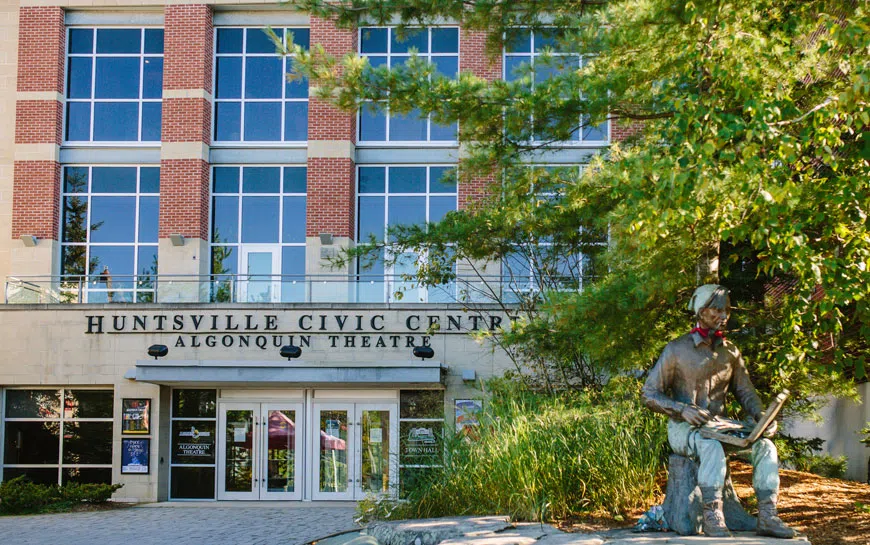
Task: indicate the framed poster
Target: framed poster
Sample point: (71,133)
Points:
(467,414)
(135,416)
(135,456)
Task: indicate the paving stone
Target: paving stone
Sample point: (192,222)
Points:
(571,539)
(492,539)
(434,531)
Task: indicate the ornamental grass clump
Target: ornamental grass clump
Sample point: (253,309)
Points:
(545,457)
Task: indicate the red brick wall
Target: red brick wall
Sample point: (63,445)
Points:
(36,199)
(38,122)
(187,47)
(186,120)
(331,196)
(41,49)
(184,198)
(624,128)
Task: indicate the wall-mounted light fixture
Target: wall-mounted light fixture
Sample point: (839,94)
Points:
(326,239)
(423,352)
(290,352)
(177,240)
(158,350)
(29,240)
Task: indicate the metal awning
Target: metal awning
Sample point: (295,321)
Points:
(249,373)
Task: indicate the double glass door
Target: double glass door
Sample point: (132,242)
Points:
(259,455)
(355,451)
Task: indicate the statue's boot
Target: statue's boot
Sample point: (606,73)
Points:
(714,520)
(768,523)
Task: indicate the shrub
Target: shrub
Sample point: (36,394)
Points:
(802,454)
(823,465)
(20,495)
(87,493)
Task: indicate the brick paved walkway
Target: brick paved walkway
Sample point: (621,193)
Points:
(220,523)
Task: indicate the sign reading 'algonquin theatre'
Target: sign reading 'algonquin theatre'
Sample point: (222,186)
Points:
(337,330)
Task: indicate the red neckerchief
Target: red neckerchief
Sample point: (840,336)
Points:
(706,332)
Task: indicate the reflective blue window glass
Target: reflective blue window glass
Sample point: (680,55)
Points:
(296,88)
(75,218)
(81,40)
(595,132)
(152,77)
(293,274)
(442,180)
(263,77)
(546,70)
(149,180)
(445,40)
(78,121)
(413,38)
(228,121)
(372,124)
(447,66)
(296,121)
(373,40)
(224,260)
(372,179)
(261,180)
(371,218)
(225,219)
(75,180)
(406,211)
(260,219)
(441,133)
(516,67)
(547,38)
(151,117)
(154,40)
(147,262)
(294,219)
(148,218)
(119,40)
(113,180)
(439,206)
(116,261)
(258,41)
(79,78)
(72,260)
(408,180)
(117,77)
(113,219)
(408,127)
(298,36)
(226,180)
(262,121)
(295,179)
(518,40)
(229,40)
(229,77)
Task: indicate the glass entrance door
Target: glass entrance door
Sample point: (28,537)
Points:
(259,456)
(355,451)
(260,280)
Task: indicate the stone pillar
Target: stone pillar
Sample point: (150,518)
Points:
(184,156)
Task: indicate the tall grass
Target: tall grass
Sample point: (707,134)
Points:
(544,457)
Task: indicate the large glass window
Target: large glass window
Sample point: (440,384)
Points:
(109,232)
(385,47)
(114,84)
(524,57)
(193,456)
(254,100)
(56,436)
(421,434)
(258,228)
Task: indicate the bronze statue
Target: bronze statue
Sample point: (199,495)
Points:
(689,384)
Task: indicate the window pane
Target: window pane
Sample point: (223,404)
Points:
(293,265)
(113,40)
(113,219)
(298,36)
(294,219)
(81,40)
(225,219)
(114,180)
(376,61)
(262,121)
(87,443)
(258,41)
(152,77)
(193,442)
(296,121)
(408,127)
(518,41)
(597,132)
(223,260)
(117,77)
(263,77)
(75,214)
(445,40)
(441,133)
(261,180)
(151,114)
(194,403)
(78,121)
(439,206)
(421,404)
(88,404)
(297,87)
(226,180)
(516,67)
(408,180)
(153,40)
(32,403)
(442,180)
(147,265)
(31,443)
(73,260)
(260,219)
(229,40)
(112,263)
(116,121)
(229,77)
(149,213)
(79,79)
(373,40)
(228,121)
(149,180)
(37,475)
(447,66)
(372,179)
(372,124)
(295,179)
(406,211)
(413,38)
(420,443)
(371,218)
(192,483)
(87,475)
(75,180)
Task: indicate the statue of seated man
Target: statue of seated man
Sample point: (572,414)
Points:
(689,384)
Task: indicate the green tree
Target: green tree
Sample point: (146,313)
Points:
(751,151)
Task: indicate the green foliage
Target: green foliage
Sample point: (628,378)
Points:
(866,434)
(801,454)
(544,457)
(21,495)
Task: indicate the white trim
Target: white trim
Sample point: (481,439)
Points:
(115,18)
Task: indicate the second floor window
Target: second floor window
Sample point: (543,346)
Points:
(254,101)
(114,85)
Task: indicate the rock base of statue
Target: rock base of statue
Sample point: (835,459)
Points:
(683,505)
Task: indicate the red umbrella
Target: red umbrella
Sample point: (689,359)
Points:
(282,431)
(330,442)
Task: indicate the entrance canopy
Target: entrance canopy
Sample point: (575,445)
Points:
(248,373)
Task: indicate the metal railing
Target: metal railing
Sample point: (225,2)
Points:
(243,288)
